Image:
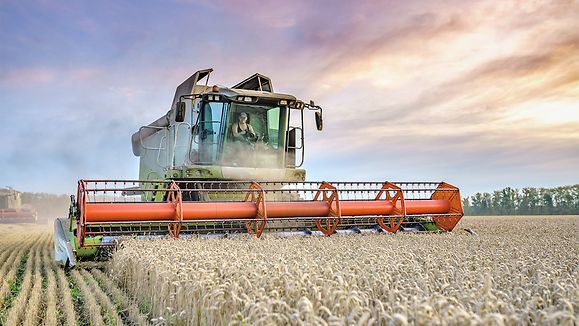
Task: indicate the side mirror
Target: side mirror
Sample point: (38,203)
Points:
(180,112)
(319,120)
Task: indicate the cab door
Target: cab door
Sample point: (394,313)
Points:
(210,131)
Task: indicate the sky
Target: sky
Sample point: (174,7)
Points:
(480,94)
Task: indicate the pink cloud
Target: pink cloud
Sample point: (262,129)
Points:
(44,75)
(79,74)
(28,75)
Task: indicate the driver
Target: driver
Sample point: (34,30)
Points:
(242,130)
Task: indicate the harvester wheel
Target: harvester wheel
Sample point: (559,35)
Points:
(391,225)
(328,226)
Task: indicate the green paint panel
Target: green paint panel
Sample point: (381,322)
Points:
(430,226)
(173,174)
(87,251)
(295,175)
(206,172)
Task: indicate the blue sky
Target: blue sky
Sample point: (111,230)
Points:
(480,94)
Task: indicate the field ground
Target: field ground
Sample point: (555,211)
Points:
(519,270)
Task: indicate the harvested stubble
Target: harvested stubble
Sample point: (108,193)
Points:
(8,272)
(32,294)
(16,312)
(33,306)
(520,270)
(51,298)
(93,308)
(109,310)
(67,305)
(11,265)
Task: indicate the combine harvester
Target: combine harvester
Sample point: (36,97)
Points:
(11,210)
(203,170)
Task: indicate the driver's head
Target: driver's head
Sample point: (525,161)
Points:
(243,117)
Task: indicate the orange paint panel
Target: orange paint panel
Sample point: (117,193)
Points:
(427,206)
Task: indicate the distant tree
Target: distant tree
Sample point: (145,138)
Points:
(529,201)
(487,200)
(575,194)
(546,201)
(497,208)
(563,199)
(466,204)
(509,200)
(481,203)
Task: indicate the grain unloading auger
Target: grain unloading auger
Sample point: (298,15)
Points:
(199,177)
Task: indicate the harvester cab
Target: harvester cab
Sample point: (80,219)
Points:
(12,210)
(227,160)
(244,132)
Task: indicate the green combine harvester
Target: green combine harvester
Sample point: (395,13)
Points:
(228,160)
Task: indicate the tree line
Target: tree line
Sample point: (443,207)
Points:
(527,201)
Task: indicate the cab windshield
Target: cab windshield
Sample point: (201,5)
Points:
(254,136)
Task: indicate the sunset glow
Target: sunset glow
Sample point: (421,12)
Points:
(480,94)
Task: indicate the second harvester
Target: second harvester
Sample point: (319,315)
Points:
(227,160)
(12,210)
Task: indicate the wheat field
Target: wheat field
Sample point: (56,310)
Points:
(517,271)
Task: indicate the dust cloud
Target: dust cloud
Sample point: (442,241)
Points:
(252,155)
(48,206)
